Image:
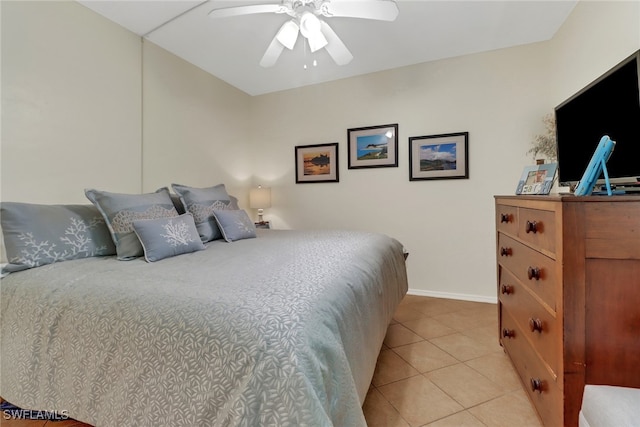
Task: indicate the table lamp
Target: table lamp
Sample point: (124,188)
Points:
(260,198)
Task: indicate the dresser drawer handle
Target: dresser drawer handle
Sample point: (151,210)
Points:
(537,385)
(506,289)
(533,273)
(505,217)
(535,325)
(505,251)
(531,227)
(508,333)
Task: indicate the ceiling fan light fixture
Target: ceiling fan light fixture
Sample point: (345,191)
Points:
(288,34)
(311,29)
(306,16)
(309,24)
(317,42)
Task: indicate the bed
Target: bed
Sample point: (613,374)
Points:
(279,330)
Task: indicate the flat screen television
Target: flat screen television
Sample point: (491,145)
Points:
(610,105)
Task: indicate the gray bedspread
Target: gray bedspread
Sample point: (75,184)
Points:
(281,330)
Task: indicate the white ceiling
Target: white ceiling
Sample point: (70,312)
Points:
(425,30)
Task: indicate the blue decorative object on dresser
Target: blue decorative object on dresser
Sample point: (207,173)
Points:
(596,167)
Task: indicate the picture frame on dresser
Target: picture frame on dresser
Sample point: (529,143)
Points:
(444,156)
(372,147)
(537,179)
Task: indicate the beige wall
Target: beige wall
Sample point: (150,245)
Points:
(597,35)
(195,128)
(86,103)
(70,103)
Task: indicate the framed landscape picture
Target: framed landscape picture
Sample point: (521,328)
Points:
(439,156)
(317,163)
(373,147)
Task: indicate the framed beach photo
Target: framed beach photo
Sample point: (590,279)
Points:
(439,156)
(373,147)
(317,163)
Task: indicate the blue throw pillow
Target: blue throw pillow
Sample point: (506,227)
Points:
(201,202)
(235,225)
(36,235)
(166,237)
(120,210)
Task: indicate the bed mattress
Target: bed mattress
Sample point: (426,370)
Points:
(280,330)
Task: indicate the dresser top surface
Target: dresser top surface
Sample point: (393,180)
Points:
(570,198)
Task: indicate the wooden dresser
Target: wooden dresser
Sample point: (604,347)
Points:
(569,296)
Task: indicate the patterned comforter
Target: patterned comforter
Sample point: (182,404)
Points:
(281,330)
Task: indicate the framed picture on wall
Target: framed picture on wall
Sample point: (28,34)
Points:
(317,163)
(442,156)
(373,147)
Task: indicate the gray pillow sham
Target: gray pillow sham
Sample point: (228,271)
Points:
(120,210)
(235,225)
(177,203)
(36,235)
(167,237)
(201,202)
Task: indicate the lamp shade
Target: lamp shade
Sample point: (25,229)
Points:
(309,24)
(260,198)
(288,34)
(311,28)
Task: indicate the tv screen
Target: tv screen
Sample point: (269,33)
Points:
(608,106)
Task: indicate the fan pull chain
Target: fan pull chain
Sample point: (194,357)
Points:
(315,64)
(315,61)
(304,47)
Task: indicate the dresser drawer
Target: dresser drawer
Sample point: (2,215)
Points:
(547,395)
(538,326)
(507,219)
(534,270)
(537,228)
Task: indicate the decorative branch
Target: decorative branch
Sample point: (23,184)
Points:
(545,143)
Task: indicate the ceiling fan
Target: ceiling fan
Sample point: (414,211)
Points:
(305,19)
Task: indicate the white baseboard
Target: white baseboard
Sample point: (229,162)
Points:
(463,297)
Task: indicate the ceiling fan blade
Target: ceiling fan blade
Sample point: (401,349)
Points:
(246,10)
(335,48)
(272,54)
(381,10)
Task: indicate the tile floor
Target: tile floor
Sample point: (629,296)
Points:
(440,365)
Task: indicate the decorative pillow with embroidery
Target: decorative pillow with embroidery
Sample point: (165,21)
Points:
(120,210)
(167,237)
(235,225)
(201,202)
(36,235)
